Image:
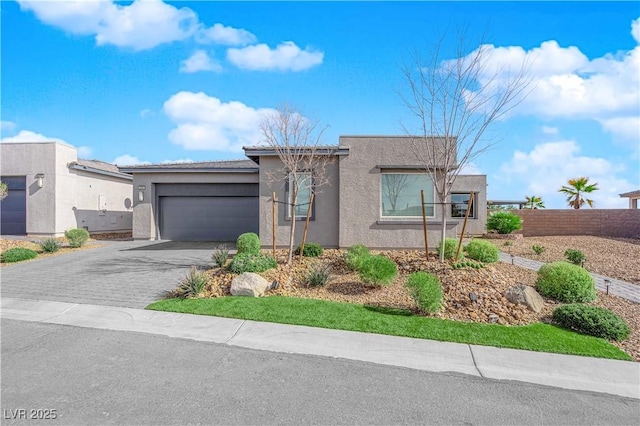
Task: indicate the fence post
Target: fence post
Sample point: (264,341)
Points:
(464,225)
(306,226)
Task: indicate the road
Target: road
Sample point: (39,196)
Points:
(91,376)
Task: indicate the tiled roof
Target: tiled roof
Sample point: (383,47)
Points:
(195,166)
(631,194)
(100,165)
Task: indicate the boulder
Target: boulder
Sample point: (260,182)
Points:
(525,295)
(249,284)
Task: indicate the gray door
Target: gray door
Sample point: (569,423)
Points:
(13,209)
(207,218)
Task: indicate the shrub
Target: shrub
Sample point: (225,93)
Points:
(592,320)
(77,237)
(50,245)
(566,283)
(193,284)
(426,291)
(482,251)
(467,264)
(248,243)
(450,248)
(17,254)
(311,250)
(538,249)
(356,255)
(220,256)
(504,222)
(378,270)
(246,262)
(575,256)
(319,274)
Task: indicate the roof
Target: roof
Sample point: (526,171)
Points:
(632,194)
(255,152)
(99,167)
(229,166)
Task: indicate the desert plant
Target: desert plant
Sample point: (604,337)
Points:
(504,222)
(4,190)
(538,249)
(220,255)
(318,275)
(575,256)
(77,237)
(246,262)
(248,243)
(426,290)
(50,245)
(592,320)
(482,251)
(467,264)
(450,248)
(566,283)
(533,203)
(310,250)
(378,270)
(575,192)
(355,256)
(17,254)
(192,284)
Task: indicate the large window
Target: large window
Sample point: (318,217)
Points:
(459,205)
(305,188)
(401,194)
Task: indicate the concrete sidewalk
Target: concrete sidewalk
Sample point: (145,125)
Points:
(564,371)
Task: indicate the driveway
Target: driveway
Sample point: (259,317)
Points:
(118,273)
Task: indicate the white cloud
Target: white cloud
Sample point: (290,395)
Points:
(85,152)
(227,36)
(548,130)
(27,136)
(146,113)
(7,125)
(635,30)
(547,167)
(470,169)
(199,61)
(128,160)
(285,57)
(627,128)
(140,25)
(206,123)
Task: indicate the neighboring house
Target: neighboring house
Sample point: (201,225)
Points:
(633,197)
(373,198)
(51,190)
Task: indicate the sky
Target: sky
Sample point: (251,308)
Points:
(152,82)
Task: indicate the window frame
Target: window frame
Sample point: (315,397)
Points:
(474,210)
(287,196)
(408,172)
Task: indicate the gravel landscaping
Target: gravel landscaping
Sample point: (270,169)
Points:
(6,244)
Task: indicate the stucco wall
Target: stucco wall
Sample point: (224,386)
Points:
(323,229)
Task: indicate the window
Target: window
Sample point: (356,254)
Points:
(305,188)
(401,194)
(459,204)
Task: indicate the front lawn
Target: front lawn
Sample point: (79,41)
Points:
(397,322)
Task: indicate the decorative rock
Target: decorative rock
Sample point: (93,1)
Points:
(249,284)
(525,295)
(493,318)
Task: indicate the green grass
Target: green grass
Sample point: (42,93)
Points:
(397,322)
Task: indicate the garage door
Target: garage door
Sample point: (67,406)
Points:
(207,218)
(13,209)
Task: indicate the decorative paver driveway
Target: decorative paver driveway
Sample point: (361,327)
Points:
(119,273)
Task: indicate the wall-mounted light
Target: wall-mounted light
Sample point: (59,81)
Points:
(141,189)
(40,178)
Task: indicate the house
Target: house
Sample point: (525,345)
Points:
(373,198)
(633,197)
(51,190)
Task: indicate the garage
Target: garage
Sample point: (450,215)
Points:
(13,209)
(207,212)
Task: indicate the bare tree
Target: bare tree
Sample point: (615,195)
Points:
(455,99)
(395,186)
(296,140)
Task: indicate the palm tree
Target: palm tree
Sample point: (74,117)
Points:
(533,203)
(576,190)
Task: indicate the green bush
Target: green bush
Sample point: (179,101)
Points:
(450,248)
(246,262)
(311,250)
(17,254)
(50,245)
(575,256)
(504,222)
(378,270)
(193,284)
(482,251)
(220,256)
(426,290)
(248,243)
(538,249)
(566,283)
(77,237)
(592,320)
(356,255)
(319,274)
(467,264)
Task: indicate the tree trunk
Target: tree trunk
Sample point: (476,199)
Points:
(292,230)
(443,232)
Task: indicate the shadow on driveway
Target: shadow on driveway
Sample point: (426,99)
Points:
(185,245)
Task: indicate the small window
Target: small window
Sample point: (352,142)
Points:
(459,204)
(401,195)
(305,189)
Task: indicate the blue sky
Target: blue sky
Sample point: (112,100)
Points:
(152,81)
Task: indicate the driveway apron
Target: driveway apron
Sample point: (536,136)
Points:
(117,273)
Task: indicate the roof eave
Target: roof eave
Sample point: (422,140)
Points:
(121,175)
